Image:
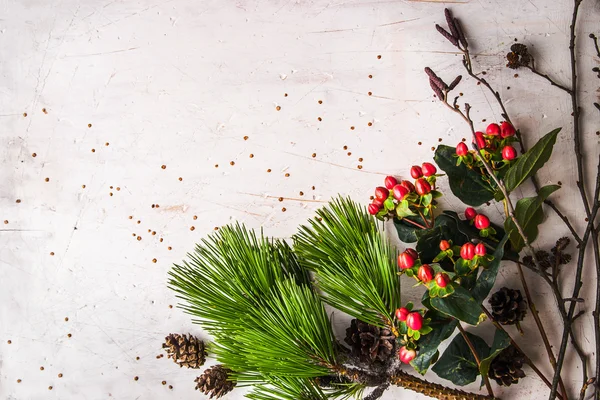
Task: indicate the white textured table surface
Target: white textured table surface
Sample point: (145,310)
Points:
(114,90)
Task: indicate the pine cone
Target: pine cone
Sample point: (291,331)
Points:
(331,381)
(185,350)
(369,342)
(505,369)
(213,382)
(508,306)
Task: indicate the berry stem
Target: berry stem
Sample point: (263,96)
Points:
(486,380)
(413,223)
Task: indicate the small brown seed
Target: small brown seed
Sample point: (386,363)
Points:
(51,253)
(163,166)
(19,381)
(60,375)
(232,163)
(47,179)
(69,335)
(251,155)
(25,114)
(245,137)
(314,155)
(195,217)
(93,150)
(171,386)
(180,179)
(301,193)
(370,124)
(18,201)
(269,170)
(283,209)
(287,175)
(320,101)
(359,167)
(135,378)
(278,108)
(66,319)
(41,368)
(139,238)
(164,382)
(89,125)
(9,341)
(49,387)
(34,155)
(154,260)
(379,57)
(192,228)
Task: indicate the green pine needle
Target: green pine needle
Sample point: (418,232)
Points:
(292,388)
(355,267)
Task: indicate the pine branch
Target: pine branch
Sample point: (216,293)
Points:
(354,265)
(290,388)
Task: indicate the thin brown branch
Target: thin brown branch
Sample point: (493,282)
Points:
(486,380)
(552,81)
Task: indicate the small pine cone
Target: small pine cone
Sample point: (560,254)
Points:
(185,350)
(508,306)
(369,342)
(518,57)
(214,382)
(505,369)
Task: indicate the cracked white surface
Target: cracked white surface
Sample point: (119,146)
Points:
(180,84)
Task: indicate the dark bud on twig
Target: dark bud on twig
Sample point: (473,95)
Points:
(436,79)
(518,57)
(447,35)
(597,106)
(461,35)
(436,90)
(455,82)
(450,22)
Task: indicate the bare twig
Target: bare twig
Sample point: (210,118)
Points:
(552,82)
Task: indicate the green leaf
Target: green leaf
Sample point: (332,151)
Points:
(501,341)
(530,162)
(406,231)
(428,245)
(487,278)
(403,209)
(428,345)
(529,213)
(460,305)
(458,364)
(426,200)
(462,266)
(466,184)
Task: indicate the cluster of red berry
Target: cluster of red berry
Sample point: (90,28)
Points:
(413,324)
(480,221)
(494,144)
(404,198)
(409,263)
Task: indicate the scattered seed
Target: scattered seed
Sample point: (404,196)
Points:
(283,209)
(320,101)
(216,228)
(370,93)
(180,179)
(516,75)
(432,148)
(5,222)
(359,167)
(139,238)
(106,144)
(192,228)
(89,125)
(287,175)
(171,386)
(47,179)
(351,128)
(153,233)
(93,150)
(69,335)
(163,166)
(164,382)
(251,155)
(139,222)
(420,143)
(51,253)
(370,76)
(60,375)
(137,358)
(379,57)
(320,119)
(83,186)
(34,155)
(285,95)
(110,193)
(464,140)
(154,260)
(280,199)
(41,368)
(560,183)
(9,341)
(131,217)
(360,159)
(231,163)
(49,387)
(118,189)
(313,188)
(371,197)
(25,114)
(345,147)
(370,124)
(269,170)
(66,319)
(278,108)
(314,155)
(439,139)
(135,378)
(19,381)
(301,193)
(18,201)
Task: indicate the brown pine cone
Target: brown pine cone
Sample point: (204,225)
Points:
(185,350)
(508,306)
(370,343)
(505,369)
(214,382)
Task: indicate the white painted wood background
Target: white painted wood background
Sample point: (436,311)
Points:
(130,86)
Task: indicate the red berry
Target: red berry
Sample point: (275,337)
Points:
(378,202)
(381,193)
(414,321)
(428,169)
(470,213)
(480,140)
(492,130)
(509,153)
(390,182)
(425,273)
(408,185)
(480,249)
(482,222)
(416,172)
(442,279)
(405,355)
(399,192)
(444,245)
(507,130)
(413,253)
(374,208)
(402,313)
(423,187)
(467,251)
(405,260)
(462,149)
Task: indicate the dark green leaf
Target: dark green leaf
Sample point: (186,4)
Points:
(458,364)
(530,162)
(406,231)
(465,183)
(529,214)
(501,341)
(460,305)
(487,278)
(429,239)
(428,345)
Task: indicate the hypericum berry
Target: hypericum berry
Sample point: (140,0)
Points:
(414,321)
(399,192)
(425,273)
(492,130)
(467,251)
(413,253)
(378,202)
(428,169)
(405,355)
(374,208)
(480,249)
(381,193)
(408,185)
(507,130)
(390,182)
(444,245)
(423,187)
(480,140)
(509,153)
(462,149)
(416,172)
(405,260)
(470,213)
(481,221)
(402,313)
(442,280)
